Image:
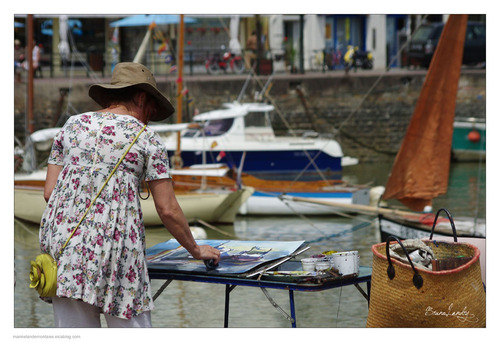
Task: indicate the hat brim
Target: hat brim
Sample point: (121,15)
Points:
(165,109)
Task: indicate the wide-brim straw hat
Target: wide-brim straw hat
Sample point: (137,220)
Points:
(129,74)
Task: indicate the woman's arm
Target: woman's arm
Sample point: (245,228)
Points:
(51,179)
(174,220)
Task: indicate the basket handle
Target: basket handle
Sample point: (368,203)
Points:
(451,221)
(391,272)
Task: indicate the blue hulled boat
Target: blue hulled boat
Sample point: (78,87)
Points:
(241,134)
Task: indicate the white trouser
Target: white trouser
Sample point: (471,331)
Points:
(71,313)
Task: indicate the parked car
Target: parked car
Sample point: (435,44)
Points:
(424,42)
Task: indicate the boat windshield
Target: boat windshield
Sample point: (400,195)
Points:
(217,127)
(257,119)
(212,128)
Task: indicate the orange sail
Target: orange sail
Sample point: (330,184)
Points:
(421,168)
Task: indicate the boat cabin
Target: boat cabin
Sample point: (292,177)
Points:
(243,121)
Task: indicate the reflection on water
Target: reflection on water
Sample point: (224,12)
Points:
(466,195)
(190,304)
(29,310)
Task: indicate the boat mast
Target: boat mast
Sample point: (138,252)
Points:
(29,53)
(180,66)
(142,48)
(29,162)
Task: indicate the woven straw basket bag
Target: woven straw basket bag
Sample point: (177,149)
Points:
(405,297)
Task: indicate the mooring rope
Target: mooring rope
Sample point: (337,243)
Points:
(350,230)
(218,230)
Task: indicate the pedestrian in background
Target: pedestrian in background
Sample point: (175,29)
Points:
(251,50)
(36,54)
(18,59)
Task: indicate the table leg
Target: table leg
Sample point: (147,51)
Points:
(368,289)
(229,288)
(292,309)
(365,294)
(163,287)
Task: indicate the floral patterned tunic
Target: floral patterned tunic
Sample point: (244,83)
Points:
(104,262)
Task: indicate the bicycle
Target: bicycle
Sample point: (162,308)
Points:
(216,64)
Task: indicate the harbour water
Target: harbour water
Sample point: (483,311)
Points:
(200,305)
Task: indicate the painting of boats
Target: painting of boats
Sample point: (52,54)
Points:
(236,256)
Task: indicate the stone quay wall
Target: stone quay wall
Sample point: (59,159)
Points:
(367,112)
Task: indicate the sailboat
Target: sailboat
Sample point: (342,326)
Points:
(421,168)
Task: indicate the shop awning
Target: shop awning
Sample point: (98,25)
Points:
(147,19)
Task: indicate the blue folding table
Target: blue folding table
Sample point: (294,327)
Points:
(258,279)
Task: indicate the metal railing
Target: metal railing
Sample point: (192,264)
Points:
(194,62)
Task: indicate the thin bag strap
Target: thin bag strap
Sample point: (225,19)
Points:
(106,182)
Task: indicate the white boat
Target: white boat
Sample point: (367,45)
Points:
(241,133)
(210,206)
(277,203)
(271,196)
(217,207)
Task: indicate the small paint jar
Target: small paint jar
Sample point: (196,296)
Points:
(322,265)
(309,264)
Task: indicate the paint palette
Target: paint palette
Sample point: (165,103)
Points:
(288,276)
(292,272)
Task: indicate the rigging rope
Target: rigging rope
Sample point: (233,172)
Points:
(338,308)
(350,230)
(365,222)
(283,119)
(70,110)
(478,184)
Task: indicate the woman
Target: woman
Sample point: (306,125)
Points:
(103,267)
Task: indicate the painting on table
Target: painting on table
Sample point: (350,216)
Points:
(236,256)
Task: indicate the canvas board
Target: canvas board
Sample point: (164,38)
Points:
(236,256)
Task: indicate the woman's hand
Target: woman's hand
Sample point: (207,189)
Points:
(206,252)
(173,218)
